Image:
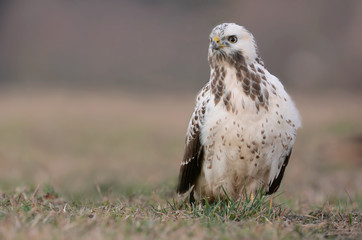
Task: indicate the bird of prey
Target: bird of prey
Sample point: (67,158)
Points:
(241,133)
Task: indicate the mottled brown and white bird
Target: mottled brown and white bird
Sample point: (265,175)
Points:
(243,128)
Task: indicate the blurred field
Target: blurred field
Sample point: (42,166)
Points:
(125,149)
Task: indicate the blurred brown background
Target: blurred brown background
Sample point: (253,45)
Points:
(101,91)
(159,44)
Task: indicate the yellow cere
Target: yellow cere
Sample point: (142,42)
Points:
(216,39)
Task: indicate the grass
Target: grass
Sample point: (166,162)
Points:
(45,214)
(79,166)
(224,210)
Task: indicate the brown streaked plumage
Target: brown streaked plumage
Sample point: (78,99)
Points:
(236,139)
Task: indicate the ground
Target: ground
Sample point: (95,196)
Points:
(104,165)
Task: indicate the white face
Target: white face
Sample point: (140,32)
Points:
(229,38)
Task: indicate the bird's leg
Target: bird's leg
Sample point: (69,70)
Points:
(190,198)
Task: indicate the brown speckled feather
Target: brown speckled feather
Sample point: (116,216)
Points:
(193,157)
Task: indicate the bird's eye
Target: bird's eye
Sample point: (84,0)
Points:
(232,39)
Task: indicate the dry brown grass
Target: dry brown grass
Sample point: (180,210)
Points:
(110,156)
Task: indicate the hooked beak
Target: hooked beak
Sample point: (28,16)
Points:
(216,43)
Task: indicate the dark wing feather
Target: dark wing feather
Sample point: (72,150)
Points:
(274,185)
(193,157)
(191,166)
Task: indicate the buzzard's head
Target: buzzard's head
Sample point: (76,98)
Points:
(231,42)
